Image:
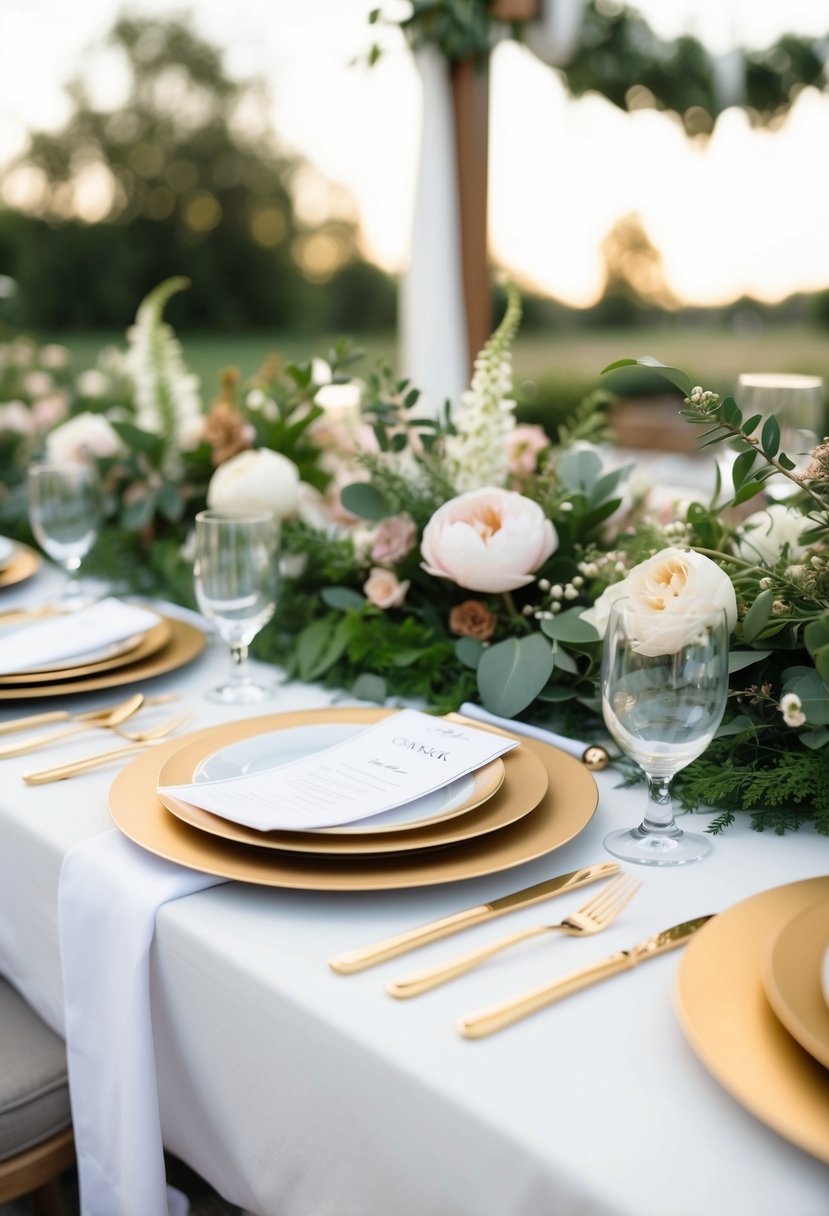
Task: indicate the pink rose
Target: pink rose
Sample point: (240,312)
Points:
(384,589)
(523,446)
(488,540)
(393,540)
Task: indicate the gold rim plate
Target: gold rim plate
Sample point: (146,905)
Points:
(525,784)
(729,1023)
(792,978)
(182,769)
(565,809)
(146,644)
(185,641)
(22,565)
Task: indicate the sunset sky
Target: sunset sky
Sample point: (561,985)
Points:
(748,212)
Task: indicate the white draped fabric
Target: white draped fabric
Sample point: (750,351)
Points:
(432,319)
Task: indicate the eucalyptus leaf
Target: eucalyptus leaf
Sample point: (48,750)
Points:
(569,626)
(738,659)
(342,598)
(758,615)
(469,651)
(369,687)
(512,673)
(679,379)
(365,500)
(735,727)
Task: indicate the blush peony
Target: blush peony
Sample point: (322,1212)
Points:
(488,540)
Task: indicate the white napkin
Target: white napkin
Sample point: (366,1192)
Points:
(72,635)
(109,892)
(574,747)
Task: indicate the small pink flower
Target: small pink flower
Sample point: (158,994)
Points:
(384,589)
(524,444)
(394,539)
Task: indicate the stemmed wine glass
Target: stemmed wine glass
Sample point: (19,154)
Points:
(798,404)
(65,509)
(235,577)
(664,689)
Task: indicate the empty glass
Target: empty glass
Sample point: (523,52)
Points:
(664,689)
(65,508)
(236,578)
(798,404)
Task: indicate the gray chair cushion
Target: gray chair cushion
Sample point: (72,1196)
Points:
(34,1094)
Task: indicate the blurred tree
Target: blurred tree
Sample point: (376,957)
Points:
(184,177)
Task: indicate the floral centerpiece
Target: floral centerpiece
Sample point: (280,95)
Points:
(468,556)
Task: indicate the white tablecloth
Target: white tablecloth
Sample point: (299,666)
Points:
(297,1092)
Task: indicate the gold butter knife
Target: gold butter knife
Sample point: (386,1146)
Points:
(497,1017)
(391,947)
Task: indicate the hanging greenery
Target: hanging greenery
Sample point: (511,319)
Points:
(620,57)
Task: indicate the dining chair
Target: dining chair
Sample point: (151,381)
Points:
(36,1143)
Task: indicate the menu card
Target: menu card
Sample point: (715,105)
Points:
(72,635)
(391,763)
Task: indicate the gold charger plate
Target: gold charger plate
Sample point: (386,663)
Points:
(792,978)
(184,643)
(21,566)
(525,784)
(730,1025)
(149,643)
(565,809)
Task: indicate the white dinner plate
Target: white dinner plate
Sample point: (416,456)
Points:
(261,752)
(7,548)
(86,657)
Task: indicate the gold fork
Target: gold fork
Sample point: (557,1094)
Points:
(139,740)
(592,917)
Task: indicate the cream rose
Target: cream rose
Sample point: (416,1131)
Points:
(765,533)
(259,480)
(83,436)
(664,590)
(488,540)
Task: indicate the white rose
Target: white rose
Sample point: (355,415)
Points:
(259,480)
(766,532)
(666,590)
(83,436)
(488,540)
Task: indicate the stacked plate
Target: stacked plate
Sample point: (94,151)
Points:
(17,562)
(161,647)
(753,999)
(521,806)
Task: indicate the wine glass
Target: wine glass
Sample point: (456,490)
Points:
(65,509)
(235,577)
(664,688)
(798,404)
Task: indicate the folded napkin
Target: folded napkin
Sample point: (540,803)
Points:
(109,892)
(573,747)
(72,635)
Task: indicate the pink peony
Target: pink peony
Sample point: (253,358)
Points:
(524,444)
(488,540)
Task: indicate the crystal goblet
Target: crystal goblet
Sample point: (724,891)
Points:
(664,688)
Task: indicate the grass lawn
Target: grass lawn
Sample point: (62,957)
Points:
(568,361)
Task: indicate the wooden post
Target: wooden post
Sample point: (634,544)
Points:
(470,100)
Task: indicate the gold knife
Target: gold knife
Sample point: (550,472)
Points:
(497,1017)
(391,947)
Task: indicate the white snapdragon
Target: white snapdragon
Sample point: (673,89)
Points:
(479,455)
(167,399)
